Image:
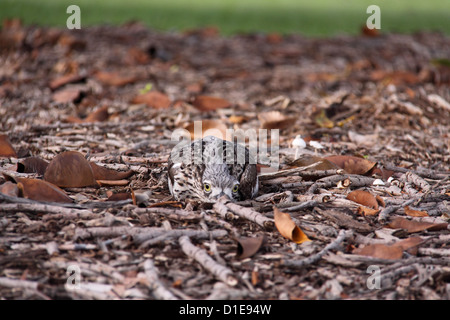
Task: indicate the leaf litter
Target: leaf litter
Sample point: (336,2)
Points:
(110,97)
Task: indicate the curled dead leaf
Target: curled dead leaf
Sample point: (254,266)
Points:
(352,164)
(41,190)
(67,95)
(412,226)
(363,197)
(153,99)
(10,189)
(6,149)
(288,228)
(210,103)
(275,120)
(200,129)
(32,165)
(70,170)
(114,78)
(415,213)
(102,173)
(391,252)
(247,247)
(365,211)
(308,159)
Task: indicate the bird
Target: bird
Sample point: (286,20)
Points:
(208,168)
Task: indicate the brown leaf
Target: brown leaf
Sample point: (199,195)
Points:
(247,247)
(63,80)
(67,95)
(412,226)
(10,189)
(381,251)
(41,190)
(365,211)
(363,197)
(119,196)
(153,99)
(415,213)
(114,78)
(102,173)
(112,183)
(6,149)
(70,170)
(32,165)
(352,164)
(288,228)
(392,252)
(209,127)
(210,103)
(275,120)
(99,115)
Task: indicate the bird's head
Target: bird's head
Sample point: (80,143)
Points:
(217,182)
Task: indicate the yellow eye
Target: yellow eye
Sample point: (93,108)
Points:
(235,188)
(207,187)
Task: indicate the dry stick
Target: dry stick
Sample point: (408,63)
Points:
(251,215)
(343,234)
(219,271)
(382,216)
(159,290)
(145,240)
(348,180)
(69,213)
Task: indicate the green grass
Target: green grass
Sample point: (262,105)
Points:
(313,18)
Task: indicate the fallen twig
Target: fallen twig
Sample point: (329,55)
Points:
(158,289)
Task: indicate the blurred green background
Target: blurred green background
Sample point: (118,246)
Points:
(312,18)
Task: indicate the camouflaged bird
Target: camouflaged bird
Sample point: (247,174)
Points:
(210,168)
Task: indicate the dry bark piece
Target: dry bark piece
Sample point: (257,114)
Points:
(70,170)
(288,228)
(32,165)
(363,197)
(352,164)
(6,149)
(247,246)
(412,226)
(275,120)
(153,99)
(41,190)
(210,103)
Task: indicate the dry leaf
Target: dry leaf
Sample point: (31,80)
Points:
(307,160)
(10,189)
(32,165)
(412,226)
(210,103)
(119,196)
(247,247)
(365,211)
(288,228)
(102,173)
(66,79)
(363,197)
(415,213)
(111,183)
(275,120)
(67,95)
(114,78)
(393,252)
(70,170)
(153,99)
(353,165)
(41,190)
(6,149)
(214,128)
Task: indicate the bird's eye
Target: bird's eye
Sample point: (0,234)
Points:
(235,188)
(207,187)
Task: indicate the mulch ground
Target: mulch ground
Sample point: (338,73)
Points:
(116,94)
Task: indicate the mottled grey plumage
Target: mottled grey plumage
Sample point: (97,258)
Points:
(209,168)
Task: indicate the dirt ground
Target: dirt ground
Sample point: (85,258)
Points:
(116,94)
